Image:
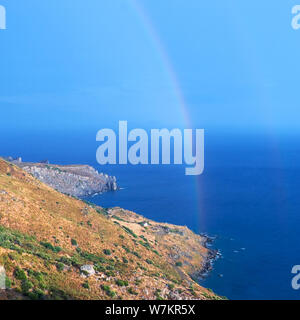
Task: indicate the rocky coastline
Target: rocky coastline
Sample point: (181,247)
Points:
(74,180)
(210,258)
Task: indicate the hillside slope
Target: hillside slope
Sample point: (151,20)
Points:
(57,247)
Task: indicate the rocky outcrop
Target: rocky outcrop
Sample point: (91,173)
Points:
(2,278)
(87,270)
(75,180)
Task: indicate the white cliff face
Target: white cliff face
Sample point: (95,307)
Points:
(2,278)
(77,181)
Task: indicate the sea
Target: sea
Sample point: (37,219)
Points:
(247,199)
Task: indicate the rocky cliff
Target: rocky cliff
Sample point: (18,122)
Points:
(75,180)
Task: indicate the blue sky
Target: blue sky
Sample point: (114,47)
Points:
(86,64)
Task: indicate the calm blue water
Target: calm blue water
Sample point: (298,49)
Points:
(248,197)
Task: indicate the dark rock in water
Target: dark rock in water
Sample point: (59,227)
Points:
(75,180)
(211,257)
(45,161)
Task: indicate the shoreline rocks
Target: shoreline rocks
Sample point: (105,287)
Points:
(211,257)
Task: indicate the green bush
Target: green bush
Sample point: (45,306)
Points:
(49,246)
(136,254)
(60,266)
(36,294)
(131,291)
(26,286)
(108,291)
(99,268)
(122,283)
(171,286)
(73,242)
(20,274)
(149,261)
(110,267)
(86,285)
(7,283)
(107,252)
(130,232)
(126,249)
(178,264)
(78,250)
(157,294)
(66,261)
(110,274)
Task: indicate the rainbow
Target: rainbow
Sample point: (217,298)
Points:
(166,61)
(171,73)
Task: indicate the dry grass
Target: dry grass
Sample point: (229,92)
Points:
(143,256)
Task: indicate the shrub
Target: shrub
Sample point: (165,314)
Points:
(156,252)
(36,294)
(145,244)
(178,264)
(101,260)
(110,274)
(149,261)
(122,283)
(7,283)
(110,267)
(131,291)
(125,260)
(57,249)
(73,242)
(60,266)
(26,286)
(20,274)
(136,254)
(157,294)
(126,249)
(99,268)
(171,286)
(86,285)
(65,261)
(107,252)
(78,250)
(49,246)
(108,291)
(130,231)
